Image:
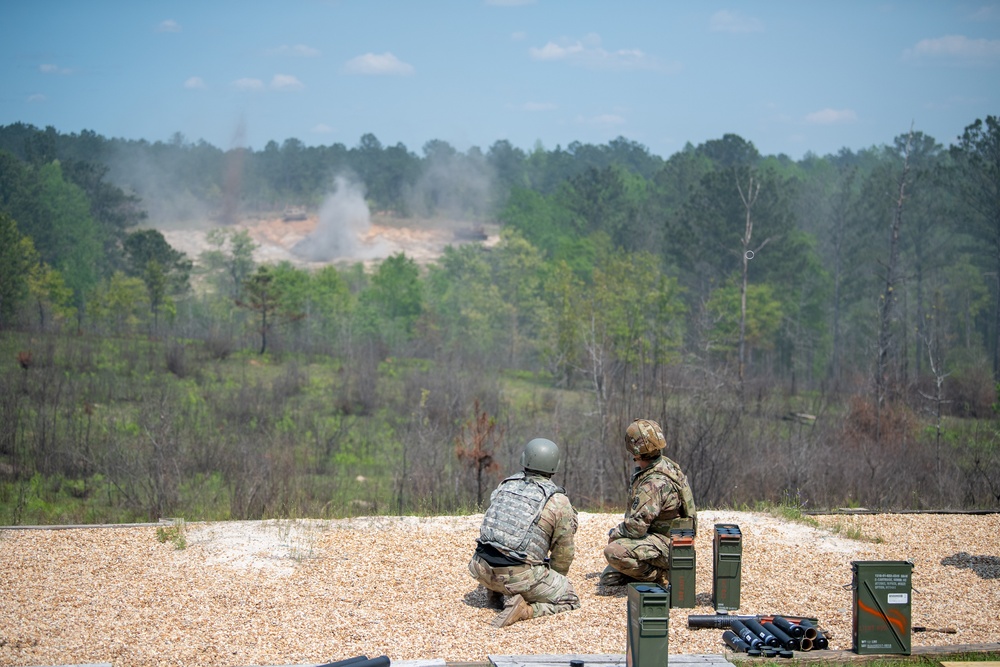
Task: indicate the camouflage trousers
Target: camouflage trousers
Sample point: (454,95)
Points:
(547,591)
(643,559)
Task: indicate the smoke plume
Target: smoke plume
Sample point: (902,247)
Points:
(344,219)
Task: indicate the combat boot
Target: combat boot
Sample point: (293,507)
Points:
(612,577)
(517,610)
(494,599)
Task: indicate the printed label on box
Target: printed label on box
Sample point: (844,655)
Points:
(897,598)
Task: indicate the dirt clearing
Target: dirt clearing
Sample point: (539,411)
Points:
(421,240)
(299,592)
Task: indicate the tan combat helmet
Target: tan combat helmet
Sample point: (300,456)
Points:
(644,438)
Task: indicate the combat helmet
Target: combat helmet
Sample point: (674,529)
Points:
(644,438)
(540,455)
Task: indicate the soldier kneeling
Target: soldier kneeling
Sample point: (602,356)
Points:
(525,545)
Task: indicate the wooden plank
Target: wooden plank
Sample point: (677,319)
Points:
(85,526)
(841,657)
(954,649)
(602,660)
(862,510)
(434,662)
(550,660)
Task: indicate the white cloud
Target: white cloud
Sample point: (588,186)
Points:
(248,84)
(537,106)
(373,63)
(588,52)
(605,119)
(727,21)
(322,128)
(286,82)
(49,68)
(195,83)
(169,25)
(298,50)
(37,97)
(553,51)
(955,47)
(831,117)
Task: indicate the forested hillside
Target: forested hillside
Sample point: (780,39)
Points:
(820,332)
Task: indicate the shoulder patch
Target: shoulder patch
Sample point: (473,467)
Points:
(635,503)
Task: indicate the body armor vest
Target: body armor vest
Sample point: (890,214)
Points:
(511,522)
(667,520)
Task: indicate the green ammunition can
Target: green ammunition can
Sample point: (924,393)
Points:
(882,595)
(648,621)
(682,568)
(727,556)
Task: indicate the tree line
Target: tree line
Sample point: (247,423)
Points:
(717,290)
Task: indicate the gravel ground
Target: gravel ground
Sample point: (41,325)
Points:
(301,592)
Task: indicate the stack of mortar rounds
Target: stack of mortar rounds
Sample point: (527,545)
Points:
(775,638)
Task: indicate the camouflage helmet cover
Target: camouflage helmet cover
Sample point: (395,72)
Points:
(541,455)
(644,438)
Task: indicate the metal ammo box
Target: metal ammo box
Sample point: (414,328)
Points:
(648,621)
(727,555)
(682,567)
(882,595)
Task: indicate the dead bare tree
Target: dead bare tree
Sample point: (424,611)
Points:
(476,445)
(888,296)
(938,401)
(596,343)
(748,197)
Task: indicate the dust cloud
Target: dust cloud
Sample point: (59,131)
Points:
(344,218)
(454,185)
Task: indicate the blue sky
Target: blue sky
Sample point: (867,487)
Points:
(790,77)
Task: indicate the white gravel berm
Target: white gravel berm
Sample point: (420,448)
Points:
(308,592)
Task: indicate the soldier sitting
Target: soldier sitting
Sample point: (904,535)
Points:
(659,499)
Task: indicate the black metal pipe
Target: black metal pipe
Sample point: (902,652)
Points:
(755,627)
(793,630)
(735,642)
(723,620)
(349,661)
(783,639)
(745,634)
(720,621)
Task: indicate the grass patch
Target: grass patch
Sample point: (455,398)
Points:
(853,533)
(299,536)
(173,533)
(877,660)
(788,509)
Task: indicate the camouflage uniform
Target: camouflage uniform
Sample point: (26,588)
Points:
(639,546)
(536,568)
